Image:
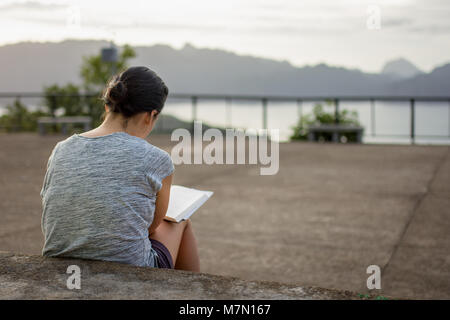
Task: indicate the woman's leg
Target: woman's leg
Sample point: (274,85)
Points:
(188,258)
(180,241)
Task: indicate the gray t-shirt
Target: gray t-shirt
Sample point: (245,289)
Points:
(99,196)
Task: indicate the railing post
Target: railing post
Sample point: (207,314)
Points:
(19,122)
(194,111)
(413,120)
(41,127)
(264,105)
(336,111)
(228,111)
(372,117)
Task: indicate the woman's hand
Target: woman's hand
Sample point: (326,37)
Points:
(162,203)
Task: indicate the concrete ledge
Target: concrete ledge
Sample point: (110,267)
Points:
(37,277)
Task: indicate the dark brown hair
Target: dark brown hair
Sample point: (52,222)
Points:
(136,90)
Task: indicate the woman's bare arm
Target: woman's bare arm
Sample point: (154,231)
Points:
(162,203)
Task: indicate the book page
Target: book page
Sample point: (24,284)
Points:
(184,202)
(196,205)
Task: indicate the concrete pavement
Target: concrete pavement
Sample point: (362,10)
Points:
(331,211)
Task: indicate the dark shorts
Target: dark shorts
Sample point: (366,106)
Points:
(164,258)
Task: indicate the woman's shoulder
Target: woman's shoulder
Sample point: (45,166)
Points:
(150,151)
(157,154)
(146,146)
(118,144)
(158,163)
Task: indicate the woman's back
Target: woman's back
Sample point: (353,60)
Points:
(99,198)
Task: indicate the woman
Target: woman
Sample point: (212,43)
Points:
(106,191)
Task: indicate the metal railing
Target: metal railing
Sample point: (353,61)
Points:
(264,100)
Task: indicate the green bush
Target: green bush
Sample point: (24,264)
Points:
(320,116)
(65,97)
(95,109)
(18,118)
(94,73)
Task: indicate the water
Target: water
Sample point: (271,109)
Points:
(391,123)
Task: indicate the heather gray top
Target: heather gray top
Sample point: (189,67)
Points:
(99,196)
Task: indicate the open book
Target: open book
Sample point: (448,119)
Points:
(184,202)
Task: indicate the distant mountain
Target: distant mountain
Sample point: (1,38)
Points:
(30,66)
(435,83)
(192,70)
(400,69)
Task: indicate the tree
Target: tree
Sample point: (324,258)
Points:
(66,97)
(18,118)
(95,72)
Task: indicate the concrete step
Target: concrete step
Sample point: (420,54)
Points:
(37,277)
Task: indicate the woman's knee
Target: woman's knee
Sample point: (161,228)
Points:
(170,231)
(189,225)
(185,223)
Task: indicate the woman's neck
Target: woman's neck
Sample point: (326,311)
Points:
(110,125)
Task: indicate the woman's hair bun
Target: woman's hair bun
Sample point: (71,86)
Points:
(117,93)
(116,97)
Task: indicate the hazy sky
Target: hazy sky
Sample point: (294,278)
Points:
(336,32)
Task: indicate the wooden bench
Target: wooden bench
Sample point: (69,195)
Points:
(336,131)
(64,121)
